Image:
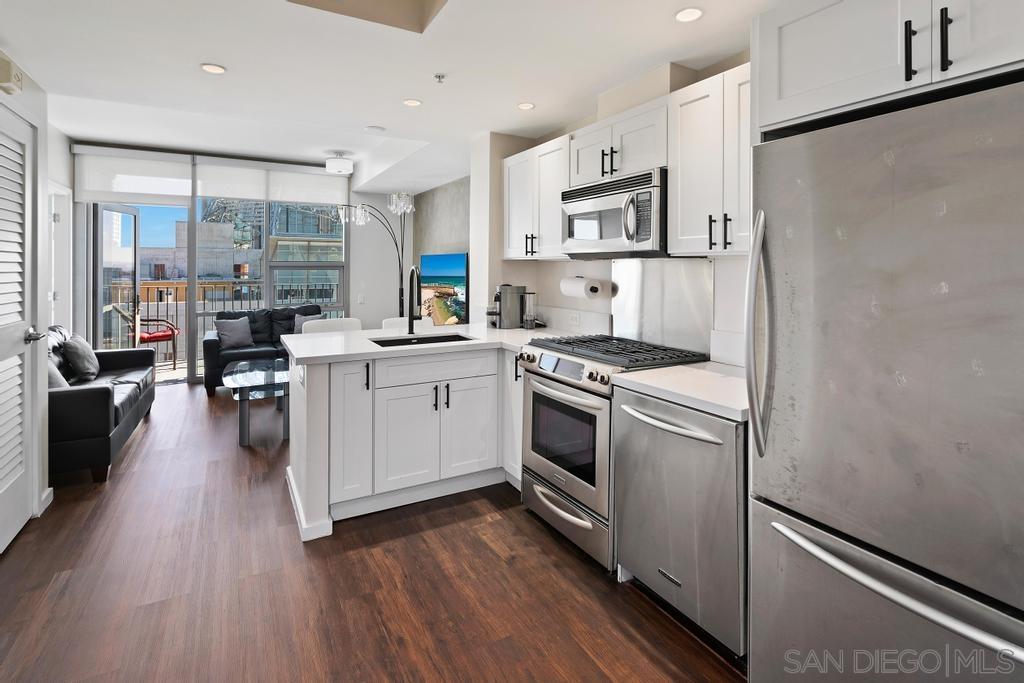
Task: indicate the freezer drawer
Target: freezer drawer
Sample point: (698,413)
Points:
(679,509)
(571,520)
(828,609)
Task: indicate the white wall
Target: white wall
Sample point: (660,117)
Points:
(373,266)
(59,161)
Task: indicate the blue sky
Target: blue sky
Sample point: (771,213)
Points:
(443,264)
(156,224)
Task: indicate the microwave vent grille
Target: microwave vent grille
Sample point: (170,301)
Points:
(632,182)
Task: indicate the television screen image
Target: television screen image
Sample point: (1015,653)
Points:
(445,288)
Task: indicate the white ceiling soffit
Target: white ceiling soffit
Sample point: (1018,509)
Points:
(301,82)
(411,15)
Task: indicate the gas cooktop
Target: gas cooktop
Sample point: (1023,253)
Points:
(627,354)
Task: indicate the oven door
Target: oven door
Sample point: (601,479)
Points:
(565,440)
(598,226)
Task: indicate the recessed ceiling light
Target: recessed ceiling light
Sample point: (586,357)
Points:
(212,68)
(526,106)
(375,129)
(411,103)
(689,14)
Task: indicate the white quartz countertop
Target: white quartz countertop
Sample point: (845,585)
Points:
(714,388)
(338,347)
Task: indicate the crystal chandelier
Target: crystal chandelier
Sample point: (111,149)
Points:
(400,203)
(359,215)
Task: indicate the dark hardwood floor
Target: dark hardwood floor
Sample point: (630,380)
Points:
(187,565)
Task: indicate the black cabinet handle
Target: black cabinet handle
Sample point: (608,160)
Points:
(526,245)
(447,395)
(515,364)
(725,231)
(711,232)
(611,161)
(944,21)
(435,398)
(367,376)
(908,50)
(604,155)
(533,245)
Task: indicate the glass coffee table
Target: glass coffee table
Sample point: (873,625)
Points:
(253,380)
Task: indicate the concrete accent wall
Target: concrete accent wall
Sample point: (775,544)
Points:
(442,220)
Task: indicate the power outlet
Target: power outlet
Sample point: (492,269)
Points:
(574,319)
(360,298)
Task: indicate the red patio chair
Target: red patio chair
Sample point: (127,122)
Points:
(153,330)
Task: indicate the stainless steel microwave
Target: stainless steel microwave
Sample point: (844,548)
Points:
(616,218)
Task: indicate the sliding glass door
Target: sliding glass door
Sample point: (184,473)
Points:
(117,277)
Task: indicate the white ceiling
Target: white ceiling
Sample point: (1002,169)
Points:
(302,82)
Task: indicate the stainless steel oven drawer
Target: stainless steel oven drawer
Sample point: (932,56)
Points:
(571,520)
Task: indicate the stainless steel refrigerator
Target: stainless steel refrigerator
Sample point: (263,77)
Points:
(887,353)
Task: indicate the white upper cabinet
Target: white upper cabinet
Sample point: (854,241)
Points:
(552,176)
(639,143)
(818,56)
(979,35)
(469,420)
(519,204)
(588,152)
(709,166)
(737,220)
(814,55)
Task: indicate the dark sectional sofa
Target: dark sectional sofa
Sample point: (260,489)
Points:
(90,421)
(266,325)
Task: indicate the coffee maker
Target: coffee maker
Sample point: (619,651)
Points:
(506,310)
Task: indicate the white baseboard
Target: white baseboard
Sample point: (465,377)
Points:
(415,494)
(514,480)
(307,530)
(45,498)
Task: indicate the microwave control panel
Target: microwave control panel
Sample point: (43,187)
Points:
(644,207)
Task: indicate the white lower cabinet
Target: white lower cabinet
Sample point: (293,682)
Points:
(406,436)
(511,415)
(351,439)
(469,425)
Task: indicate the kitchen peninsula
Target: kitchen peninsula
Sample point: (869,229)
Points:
(378,426)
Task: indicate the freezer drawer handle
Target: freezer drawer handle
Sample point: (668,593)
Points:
(688,432)
(946,621)
(562,396)
(543,493)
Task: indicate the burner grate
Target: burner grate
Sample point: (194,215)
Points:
(628,353)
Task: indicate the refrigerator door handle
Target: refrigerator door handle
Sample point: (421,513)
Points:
(898,597)
(753,268)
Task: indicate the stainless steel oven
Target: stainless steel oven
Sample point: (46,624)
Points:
(617,218)
(566,434)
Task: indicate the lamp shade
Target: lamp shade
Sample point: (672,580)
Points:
(339,165)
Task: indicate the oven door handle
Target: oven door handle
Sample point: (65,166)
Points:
(688,432)
(564,397)
(543,494)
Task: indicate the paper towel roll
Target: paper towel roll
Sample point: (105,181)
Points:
(581,288)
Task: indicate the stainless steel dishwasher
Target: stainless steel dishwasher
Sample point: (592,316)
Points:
(680,509)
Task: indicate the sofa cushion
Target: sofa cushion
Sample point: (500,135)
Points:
(248,353)
(260,324)
(282,352)
(56,335)
(82,358)
(234,334)
(141,377)
(54,379)
(126,397)
(301,320)
(284,318)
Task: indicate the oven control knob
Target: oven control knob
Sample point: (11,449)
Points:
(603,379)
(592,375)
(528,357)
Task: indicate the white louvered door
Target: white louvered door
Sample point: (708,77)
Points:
(16,196)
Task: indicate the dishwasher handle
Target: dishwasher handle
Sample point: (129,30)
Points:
(678,430)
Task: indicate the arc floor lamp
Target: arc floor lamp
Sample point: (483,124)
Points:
(400,204)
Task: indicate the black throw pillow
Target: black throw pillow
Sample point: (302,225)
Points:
(81,358)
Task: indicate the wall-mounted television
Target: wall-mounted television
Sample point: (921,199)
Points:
(445,288)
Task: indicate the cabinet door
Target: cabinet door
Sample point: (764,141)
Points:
(407,436)
(511,415)
(982,34)
(469,420)
(351,442)
(814,55)
(519,204)
(695,168)
(736,169)
(585,149)
(552,172)
(640,142)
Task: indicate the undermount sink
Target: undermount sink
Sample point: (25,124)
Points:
(409,340)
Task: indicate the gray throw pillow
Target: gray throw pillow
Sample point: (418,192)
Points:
(301,320)
(234,334)
(81,358)
(54,379)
